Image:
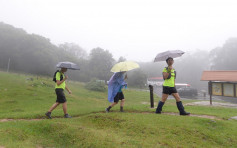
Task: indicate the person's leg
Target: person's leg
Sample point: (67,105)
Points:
(122,104)
(121,97)
(161,103)
(180,104)
(48,114)
(53,106)
(65,108)
(177,97)
(116,100)
(164,97)
(112,105)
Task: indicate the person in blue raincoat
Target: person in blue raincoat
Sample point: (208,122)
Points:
(115,86)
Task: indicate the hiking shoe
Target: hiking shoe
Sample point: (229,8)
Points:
(107,110)
(184,113)
(67,116)
(158,112)
(48,114)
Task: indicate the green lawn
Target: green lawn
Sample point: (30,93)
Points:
(21,97)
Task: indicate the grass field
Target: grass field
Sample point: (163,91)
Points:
(24,98)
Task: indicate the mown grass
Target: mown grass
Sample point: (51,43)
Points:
(91,127)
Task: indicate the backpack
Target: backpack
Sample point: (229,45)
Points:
(170,74)
(54,76)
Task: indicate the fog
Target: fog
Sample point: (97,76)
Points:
(98,34)
(134,29)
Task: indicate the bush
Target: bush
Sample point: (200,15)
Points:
(96,85)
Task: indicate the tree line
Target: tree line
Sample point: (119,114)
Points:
(35,54)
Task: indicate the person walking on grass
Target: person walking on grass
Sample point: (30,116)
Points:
(60,86)
(169,75)
(115,86)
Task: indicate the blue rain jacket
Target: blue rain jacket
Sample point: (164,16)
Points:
(115,83)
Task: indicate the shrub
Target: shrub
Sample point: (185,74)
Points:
(96,85)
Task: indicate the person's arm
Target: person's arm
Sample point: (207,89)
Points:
(167,73)
(69,91)
(60,82)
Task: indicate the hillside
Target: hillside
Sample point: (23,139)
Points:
(27,97)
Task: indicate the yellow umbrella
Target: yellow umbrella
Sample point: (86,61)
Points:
(124,66)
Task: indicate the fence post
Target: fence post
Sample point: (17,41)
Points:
(151,96)
(210,91)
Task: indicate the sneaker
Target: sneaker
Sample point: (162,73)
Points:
(184,113)
(158,112)
(67,116)
(106,110)
(48,114)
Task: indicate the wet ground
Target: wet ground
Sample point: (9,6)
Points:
(207,103)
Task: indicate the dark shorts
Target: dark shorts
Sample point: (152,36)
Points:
(169,90)
(118,97)
(60,95)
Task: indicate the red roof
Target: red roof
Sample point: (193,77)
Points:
(229,76)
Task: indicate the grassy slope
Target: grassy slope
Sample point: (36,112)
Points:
(22,98)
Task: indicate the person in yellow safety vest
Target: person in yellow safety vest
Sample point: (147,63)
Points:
(169,75)
(60,86)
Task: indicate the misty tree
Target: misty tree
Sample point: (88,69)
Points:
(224,58)
(74,49)
(121,59)
(29,53)
(100,63)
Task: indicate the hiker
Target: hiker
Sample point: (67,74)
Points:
(115,86)
(60,85)
(169,75)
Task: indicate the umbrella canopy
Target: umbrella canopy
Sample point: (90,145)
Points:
(170,53)
(124,66)
(68,65)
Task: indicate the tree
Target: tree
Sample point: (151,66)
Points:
(100,63)
(121,59)
(29,53)
(74,49)
(224,58)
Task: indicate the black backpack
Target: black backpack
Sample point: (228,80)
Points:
(170,74)
(54,76)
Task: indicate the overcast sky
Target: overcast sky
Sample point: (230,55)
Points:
(135,29)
